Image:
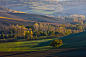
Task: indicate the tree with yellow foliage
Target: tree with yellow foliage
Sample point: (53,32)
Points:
(26,33)
(31,35)
(36,26)
(56,43)
(68,32)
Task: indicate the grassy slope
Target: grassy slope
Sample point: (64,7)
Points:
(4,14)
(74,40)
(25,17)
(35,17)
(8,22)
(71,41)
(5,21)
(34,45)
(32,17)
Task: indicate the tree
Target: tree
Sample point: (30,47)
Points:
(51,33)
(2,36)
(56,43)
(26,33)
(44,34)
(68,32)
(31,35)
(48,31)
(32,27)
(56,32)
(79,27)
(5,36)
(11,33)
(63,25)
(28,37)
(14,35)
(36,37)
(36,26)
(38,33)
(22,26)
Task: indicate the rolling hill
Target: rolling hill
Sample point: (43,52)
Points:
(5,14)
(10,21)
(27,19)
(73,45)
(40,18)
(32,17)
(74,40)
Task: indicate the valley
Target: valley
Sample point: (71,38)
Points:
(42,28)
(66,8)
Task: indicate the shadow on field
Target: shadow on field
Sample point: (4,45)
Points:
(15,53)
(72,52)
(22,46)
(42,44)
(68,52)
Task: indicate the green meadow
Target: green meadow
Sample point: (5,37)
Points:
(74,40)
(34,45)
(71,41)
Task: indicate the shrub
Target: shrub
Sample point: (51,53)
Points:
(56,43)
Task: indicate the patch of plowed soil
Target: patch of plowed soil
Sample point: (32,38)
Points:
(70,52)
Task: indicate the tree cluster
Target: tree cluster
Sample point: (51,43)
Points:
(37,30)
(2,8)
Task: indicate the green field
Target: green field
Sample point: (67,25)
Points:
(35,45)
(74,40)
(71,41)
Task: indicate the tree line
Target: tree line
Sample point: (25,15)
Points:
(2,8)
(37,30)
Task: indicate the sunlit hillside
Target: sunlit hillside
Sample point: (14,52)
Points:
(71,41)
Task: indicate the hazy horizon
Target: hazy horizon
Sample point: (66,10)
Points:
(62,8)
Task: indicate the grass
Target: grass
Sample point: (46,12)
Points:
(35,45)
(71,41)
(75,40)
